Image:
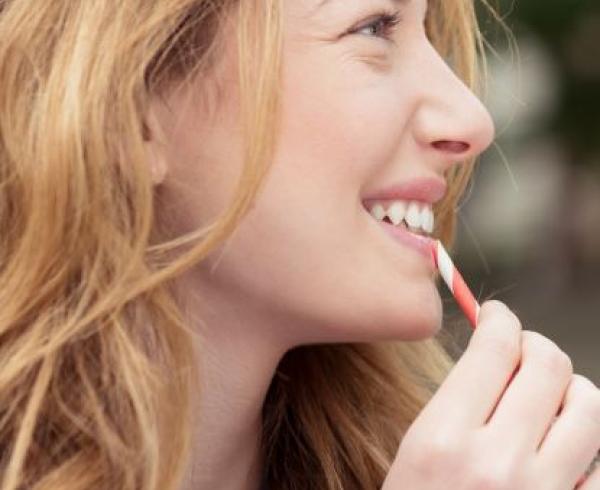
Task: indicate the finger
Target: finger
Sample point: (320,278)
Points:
(534,396)
(592,482)
(474,385)
(573,441)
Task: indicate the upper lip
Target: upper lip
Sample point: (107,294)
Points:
(424,189)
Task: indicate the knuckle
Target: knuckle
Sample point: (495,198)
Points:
(491,478)
(591,412)
(580,382)
(559,363)
(501,470)
(439,450)
(547,354)
(495,466)
(589,396)
(505,347)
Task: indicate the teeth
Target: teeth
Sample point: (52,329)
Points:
(378,212)
(413,215)
(396,212)
(427,219)
(417,215)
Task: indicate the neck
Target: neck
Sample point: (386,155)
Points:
(237,363)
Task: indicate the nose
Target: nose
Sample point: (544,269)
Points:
(450,122)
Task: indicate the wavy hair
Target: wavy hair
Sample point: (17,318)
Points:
(96,363)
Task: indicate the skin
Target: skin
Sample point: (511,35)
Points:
(530,423)
(307,264)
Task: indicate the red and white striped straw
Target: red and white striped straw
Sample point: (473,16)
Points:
(455,282)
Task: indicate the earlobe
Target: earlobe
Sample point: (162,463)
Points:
(157,163)
(154,142)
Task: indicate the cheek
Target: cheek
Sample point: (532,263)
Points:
(296,244)
(349,118)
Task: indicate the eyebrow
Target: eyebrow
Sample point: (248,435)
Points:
(325,2)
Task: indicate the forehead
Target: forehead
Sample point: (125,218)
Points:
(316,6)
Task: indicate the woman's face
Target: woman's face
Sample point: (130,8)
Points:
(365,105)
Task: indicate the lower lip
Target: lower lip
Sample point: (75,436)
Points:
(401,234)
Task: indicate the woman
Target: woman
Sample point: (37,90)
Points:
(194,292)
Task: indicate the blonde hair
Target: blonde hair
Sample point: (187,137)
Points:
(96,368)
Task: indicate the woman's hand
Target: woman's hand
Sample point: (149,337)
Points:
(493,426)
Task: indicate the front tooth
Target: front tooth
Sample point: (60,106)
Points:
(430,221)
(427,219)
(378,212)
(396,212)
(413,215)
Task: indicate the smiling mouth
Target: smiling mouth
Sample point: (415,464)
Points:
(414,216)
(408,236)
(403,224)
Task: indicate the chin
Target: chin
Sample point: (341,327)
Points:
(423,328)
(407,325)
(416,315)
(423,323)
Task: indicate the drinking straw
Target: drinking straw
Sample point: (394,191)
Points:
(455,282)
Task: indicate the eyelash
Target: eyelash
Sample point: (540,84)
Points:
(388,19)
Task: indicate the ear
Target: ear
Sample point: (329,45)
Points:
(155,142)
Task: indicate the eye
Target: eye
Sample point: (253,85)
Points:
(380,25)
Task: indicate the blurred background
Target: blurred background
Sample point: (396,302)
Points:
(529,225)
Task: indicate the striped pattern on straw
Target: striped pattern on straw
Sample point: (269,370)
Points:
(453,279)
